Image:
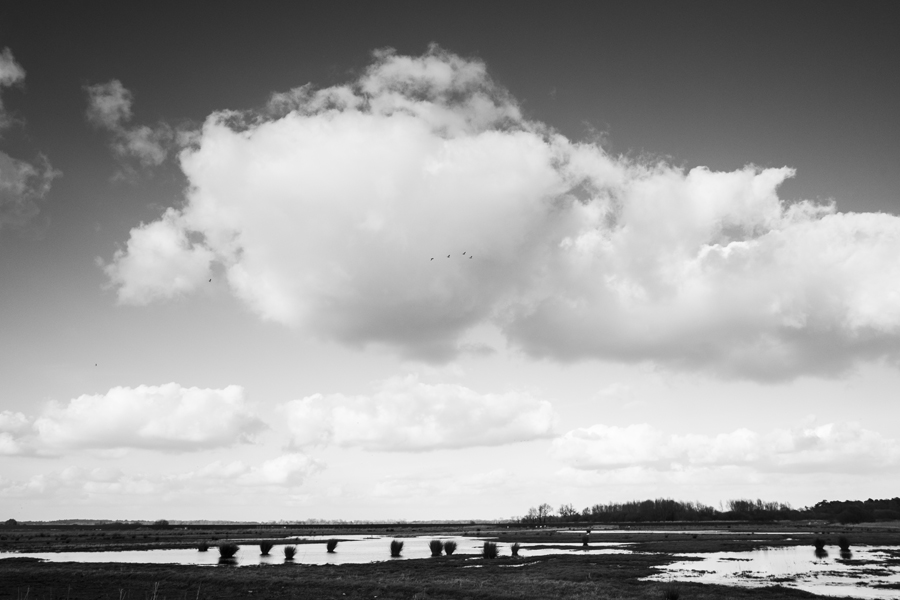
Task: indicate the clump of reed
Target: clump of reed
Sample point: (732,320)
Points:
(670,592)
(203,547)
(289,552)
(228,550)
(844,544)
(449,547)
(436,547)
(330,545)
(584,540)
(489,550)
(819,543)
(515,548)
(264,548)
(396,548)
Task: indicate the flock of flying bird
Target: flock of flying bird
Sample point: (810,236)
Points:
(448,256)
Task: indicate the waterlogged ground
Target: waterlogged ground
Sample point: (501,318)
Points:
(626,563)
(863,572)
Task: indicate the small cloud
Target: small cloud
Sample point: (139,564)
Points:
(22,186)
(406,415)
(109,109)
(11,73)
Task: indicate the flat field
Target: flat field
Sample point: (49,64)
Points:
(570,576)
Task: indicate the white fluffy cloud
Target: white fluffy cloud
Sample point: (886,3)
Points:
(166,417)
(408,415)
(838,448)
(326,209)
(109,108)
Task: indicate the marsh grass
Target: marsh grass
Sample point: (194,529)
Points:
(515,548)
(489,550)
(264,548)
(330,545)
(203,547)
(396,548)
(228,550)
(843,543)
(449,547)
(585,539)
(436,547)
(819,543)
(289,552)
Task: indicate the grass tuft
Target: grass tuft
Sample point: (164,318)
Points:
(203,547)
(843,543)
(489,550)
(330,545)
(819,543)
(449,547)
(228,550)
(289,552)
(436,547)
(515,548)
(396,548)
(585,539)
(264,548)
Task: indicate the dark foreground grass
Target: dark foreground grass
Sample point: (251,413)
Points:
(614,577)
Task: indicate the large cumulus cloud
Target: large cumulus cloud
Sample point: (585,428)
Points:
(326,208)
(408,415)
(169,418)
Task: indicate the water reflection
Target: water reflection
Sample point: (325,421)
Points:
(846,554)
(821,553)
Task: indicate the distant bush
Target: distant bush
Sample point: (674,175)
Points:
(449,547)
(330,545)
(843,543)
(515,548)
(203,547)
(436,547)
(264,548)
(819,543)
(228,550)
(489,550)
(289,552)
(11,523)
(585,539)
(396,548)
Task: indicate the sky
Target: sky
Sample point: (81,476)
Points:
(445,260)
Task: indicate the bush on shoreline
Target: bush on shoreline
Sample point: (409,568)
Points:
(396,548)
(436,547)
(449,547)
(228,550)
(330,545)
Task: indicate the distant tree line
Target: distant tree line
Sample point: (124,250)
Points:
(665,509)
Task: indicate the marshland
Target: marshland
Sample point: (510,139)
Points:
(449,560)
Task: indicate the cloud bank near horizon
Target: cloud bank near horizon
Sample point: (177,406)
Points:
(325,209)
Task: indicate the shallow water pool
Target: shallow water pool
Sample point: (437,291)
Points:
(352,549)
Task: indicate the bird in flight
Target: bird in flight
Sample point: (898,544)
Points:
(432,258)
(464,253)
(448,256)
